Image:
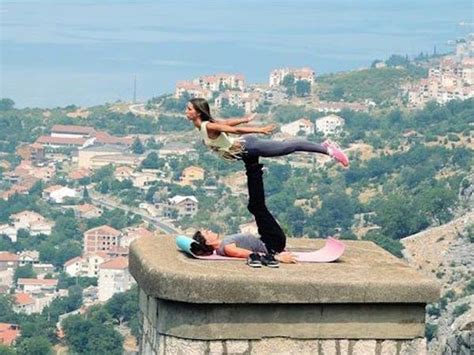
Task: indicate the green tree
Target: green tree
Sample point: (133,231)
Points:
(302,88)
(152,161)
(86,336)
(38,345)
(24,272)
(103,173)
(85,195)
(6,350)
(6,104)
(137,146)
(289,83)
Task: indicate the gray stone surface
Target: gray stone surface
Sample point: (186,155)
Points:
(303,321)
(365,274)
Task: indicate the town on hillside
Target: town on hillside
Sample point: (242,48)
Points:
(79,185)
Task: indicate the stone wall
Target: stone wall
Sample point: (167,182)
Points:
(154,343)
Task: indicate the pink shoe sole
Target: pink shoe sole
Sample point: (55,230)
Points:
(336,153)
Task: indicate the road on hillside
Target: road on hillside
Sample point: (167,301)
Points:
(104,201)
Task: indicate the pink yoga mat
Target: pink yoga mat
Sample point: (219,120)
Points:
(331,251)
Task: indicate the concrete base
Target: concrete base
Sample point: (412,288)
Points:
(257,321)
(153,341)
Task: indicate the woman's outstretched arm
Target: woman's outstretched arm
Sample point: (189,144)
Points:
(219,127)
(235,121)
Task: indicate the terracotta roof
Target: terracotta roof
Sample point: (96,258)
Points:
(23,298)
(38,282)
(8,333)
(103,230)
(60,140)
(72,129)
(36,146)
(79,173)
(72,261)
(86,207)
(53,188)
(187,85)
(116,263)
(101,254)
(6,256)
(105,138)
(29,214)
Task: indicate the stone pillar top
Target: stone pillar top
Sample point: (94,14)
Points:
(366,273)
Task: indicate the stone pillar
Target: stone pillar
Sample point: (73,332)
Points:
(368,302)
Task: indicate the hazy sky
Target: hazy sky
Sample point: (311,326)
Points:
(87,52)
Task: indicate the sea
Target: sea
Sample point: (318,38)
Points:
(58,53)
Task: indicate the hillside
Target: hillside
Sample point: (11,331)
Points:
(447,253)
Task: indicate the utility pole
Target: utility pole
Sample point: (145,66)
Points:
(135,89)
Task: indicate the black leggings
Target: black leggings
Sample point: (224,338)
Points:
(270,232)
(255,147)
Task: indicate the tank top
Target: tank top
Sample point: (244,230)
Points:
(226,147)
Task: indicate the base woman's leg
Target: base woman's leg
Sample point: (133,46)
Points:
(270,231)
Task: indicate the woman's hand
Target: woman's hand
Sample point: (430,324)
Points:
(286,257)
(268,129)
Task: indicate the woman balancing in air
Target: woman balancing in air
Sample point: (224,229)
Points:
(246,146)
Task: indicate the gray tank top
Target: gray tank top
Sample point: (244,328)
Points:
(244,241)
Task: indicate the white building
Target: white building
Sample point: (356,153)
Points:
(58,193)
(330,124)
(9,231)
(303,126)
(192,89)
(114,277)
(306,74)
(28,257)
(31,221)
(38,285)
(87,265)
(183,205)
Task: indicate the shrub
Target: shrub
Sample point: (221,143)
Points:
(460,309)
(431,330)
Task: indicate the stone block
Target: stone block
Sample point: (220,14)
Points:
(364,347)
(236,346)
(414,347)
(328,347)
(388,347)
(178,346)
(216,347)
(342,346)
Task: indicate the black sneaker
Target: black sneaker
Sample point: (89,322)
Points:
(270,261)
(254,260)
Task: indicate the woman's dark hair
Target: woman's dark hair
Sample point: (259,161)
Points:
(200,247)
(202,106)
